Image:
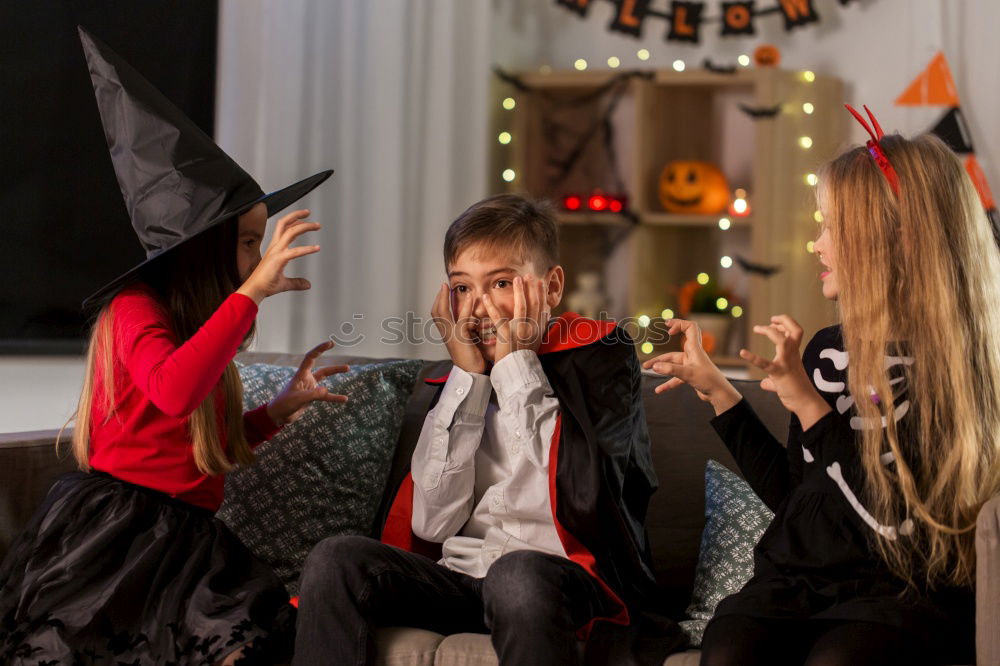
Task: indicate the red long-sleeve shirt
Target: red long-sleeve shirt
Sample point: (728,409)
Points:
(158,383)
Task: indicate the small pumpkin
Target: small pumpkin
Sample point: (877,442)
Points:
(692,187)
(767,55)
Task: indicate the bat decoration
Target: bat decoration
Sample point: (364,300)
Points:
(761,111)
(759,269)
(718,69)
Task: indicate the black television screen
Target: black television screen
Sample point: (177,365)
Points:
(65,231)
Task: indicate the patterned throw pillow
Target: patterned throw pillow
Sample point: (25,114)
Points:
(323,475)
(735,519)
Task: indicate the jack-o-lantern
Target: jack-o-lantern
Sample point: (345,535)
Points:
(767,55)
(687,186)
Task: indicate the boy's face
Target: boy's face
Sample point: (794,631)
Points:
(478,270)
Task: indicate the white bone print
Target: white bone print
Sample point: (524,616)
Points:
(834,472)
(844,402)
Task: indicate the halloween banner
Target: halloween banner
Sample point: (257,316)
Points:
(935,86)
(684,19)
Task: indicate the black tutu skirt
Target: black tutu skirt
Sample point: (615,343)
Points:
(113,573)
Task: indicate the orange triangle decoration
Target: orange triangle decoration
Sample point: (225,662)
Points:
(934,86)
(979,180)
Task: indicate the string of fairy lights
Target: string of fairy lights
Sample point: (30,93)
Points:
(739,205)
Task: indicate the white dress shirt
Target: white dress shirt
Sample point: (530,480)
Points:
(481,466)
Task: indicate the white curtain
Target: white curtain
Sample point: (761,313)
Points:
(391,94)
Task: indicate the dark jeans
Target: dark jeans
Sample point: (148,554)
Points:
(530,603)
(738,640)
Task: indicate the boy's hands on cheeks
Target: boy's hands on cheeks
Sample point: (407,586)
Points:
(304,388)
(530,317)
(693,367)
(268,278)
(786,375)
(458,331)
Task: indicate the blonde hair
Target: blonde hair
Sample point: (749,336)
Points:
(920,270)
(195,285)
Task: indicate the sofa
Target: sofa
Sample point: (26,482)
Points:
(682,442)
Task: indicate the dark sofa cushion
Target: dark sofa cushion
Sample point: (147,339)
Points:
(683,440)
(28,466)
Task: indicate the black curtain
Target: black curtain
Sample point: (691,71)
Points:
(64,231)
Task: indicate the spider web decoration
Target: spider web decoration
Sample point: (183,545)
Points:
(566,139)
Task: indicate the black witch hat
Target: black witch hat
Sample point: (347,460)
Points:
(175,180)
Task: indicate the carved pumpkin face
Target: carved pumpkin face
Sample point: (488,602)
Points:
(767,55)
(693,187)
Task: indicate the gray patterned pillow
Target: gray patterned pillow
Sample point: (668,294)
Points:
(323,475)
(735,519)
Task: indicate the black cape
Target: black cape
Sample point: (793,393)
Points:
(602,471)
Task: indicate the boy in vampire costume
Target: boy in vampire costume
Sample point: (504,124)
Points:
(523,513)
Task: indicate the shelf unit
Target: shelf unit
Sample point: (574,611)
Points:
(693,115)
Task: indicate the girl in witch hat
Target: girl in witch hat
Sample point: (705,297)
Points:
(124,561)
(894,443)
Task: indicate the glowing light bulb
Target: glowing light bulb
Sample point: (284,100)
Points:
(504,138)
(721,303)
(726,262)
(806,142)
(642,54)
(614,62)
(744,60)
(818,216)
(808,108)
(724,223)
(737,311)
(580,64)
(811,247)
(808,76)
(667,314)
(509,175)
(739,206)
(678,65)
(509,103)
(811,179)
(703,278)
(643,320)
(647,347)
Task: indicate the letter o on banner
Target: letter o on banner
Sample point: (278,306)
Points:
(737,18)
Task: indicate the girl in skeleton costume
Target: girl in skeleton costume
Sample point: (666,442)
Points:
(895,425)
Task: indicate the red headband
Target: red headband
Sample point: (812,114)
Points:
(874,149)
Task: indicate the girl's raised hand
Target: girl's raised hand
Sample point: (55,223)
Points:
(692,366)
(786,375)
(304,388)
(268,278)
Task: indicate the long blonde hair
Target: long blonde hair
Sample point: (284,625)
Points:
(921,271)
(192,282)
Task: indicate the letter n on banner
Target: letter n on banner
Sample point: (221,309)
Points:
(685,21)
(629,17)
(578,6)
(798,12)
(737,18)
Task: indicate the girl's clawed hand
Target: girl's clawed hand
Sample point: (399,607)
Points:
(268,278)
(692,366)
(304,387)
(786,375)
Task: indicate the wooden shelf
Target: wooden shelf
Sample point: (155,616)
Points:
(590,218)
(674,220)
(653,219)
(693,115)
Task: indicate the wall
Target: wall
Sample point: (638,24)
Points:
(877,47)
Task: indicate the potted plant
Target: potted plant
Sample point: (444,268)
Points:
(706,303)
